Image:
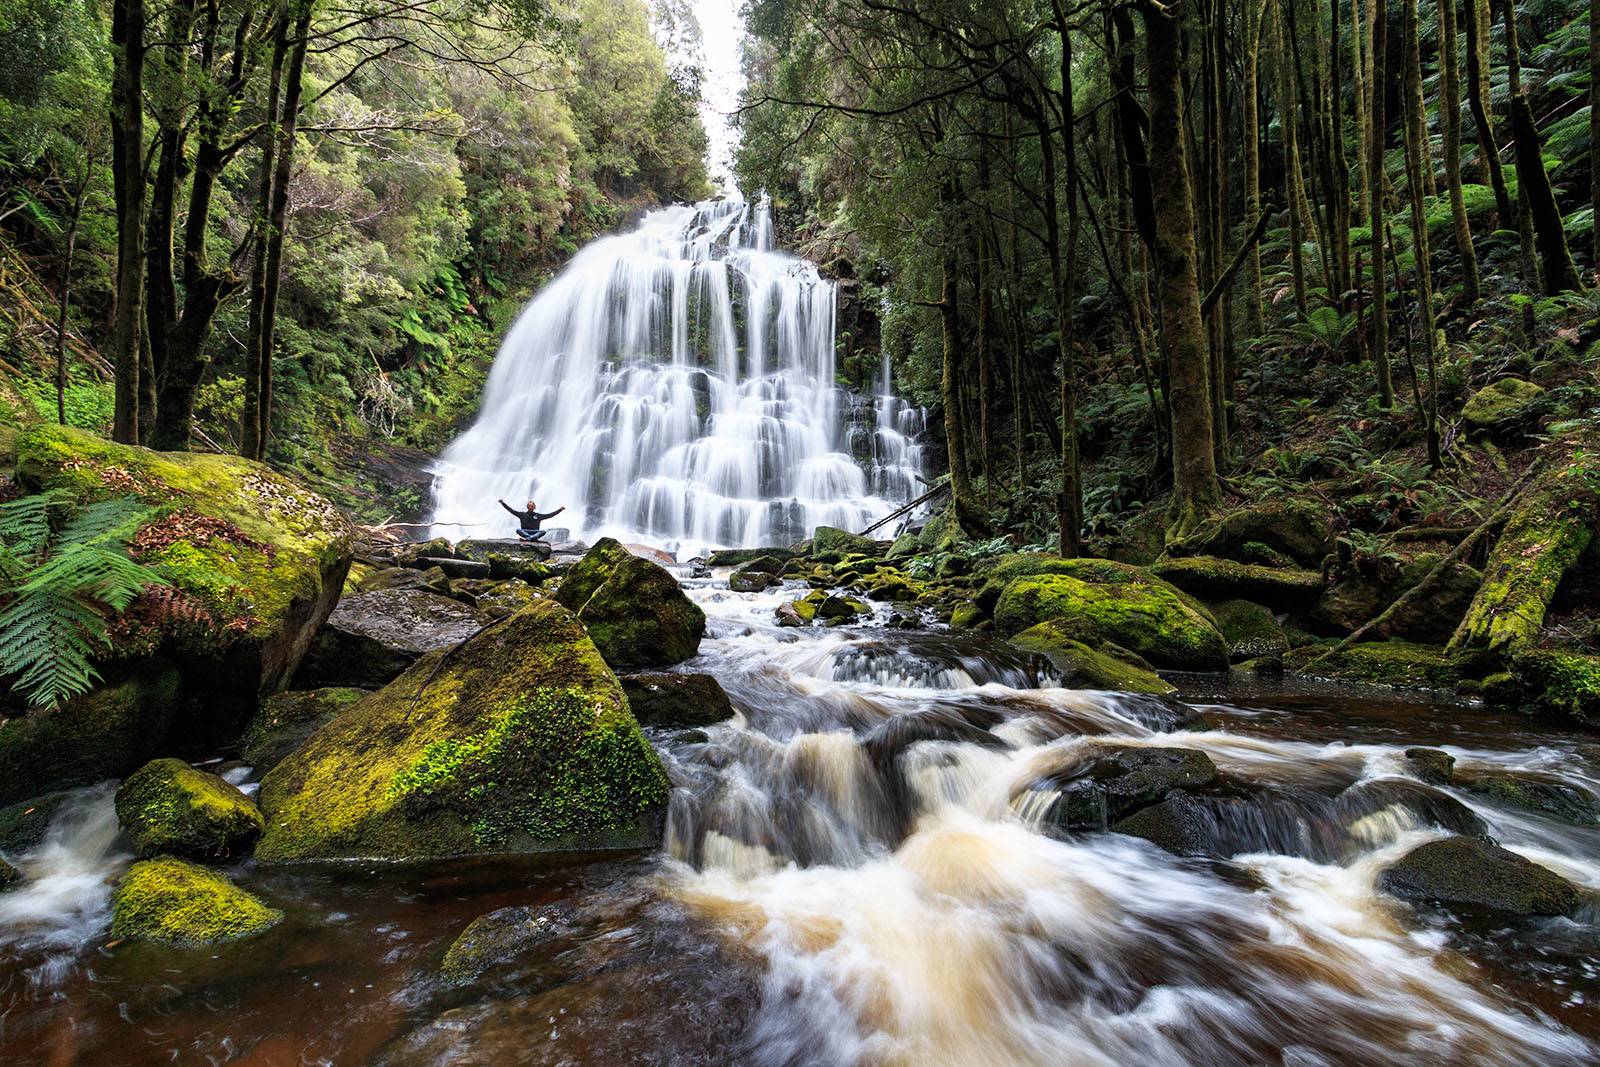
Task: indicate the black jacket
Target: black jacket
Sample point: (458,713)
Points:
(530,520)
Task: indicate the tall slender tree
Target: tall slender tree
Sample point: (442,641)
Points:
(1450,122)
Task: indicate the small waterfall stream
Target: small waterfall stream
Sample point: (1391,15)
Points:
(676,385)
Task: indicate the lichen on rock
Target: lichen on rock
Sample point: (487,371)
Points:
(175,901)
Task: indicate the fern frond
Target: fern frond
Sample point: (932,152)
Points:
(25,523)
(114,518)
(102,574)
(45,643)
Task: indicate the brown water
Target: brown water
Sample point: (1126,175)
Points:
(861,869)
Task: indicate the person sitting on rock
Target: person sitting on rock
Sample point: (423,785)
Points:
(528,521)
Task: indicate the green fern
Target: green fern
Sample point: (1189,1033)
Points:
(57,588)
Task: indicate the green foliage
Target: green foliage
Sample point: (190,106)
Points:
(62,581)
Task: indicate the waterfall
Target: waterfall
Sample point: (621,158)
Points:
(676,385)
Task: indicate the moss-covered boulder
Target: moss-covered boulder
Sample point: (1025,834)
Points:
(1471,875)
(104,733)
(1251,631)
(1208,576)
(167,806)
(1430,617)
(179,902)
(750,581)
(832,539)
(639,617)
(371,638)
(285,720)
(1551,681)
(1432,765)
(510,557)
(1554,799)
(1509,405)
(1145,617)
(734,557)
(521,742)
(499,936)
(1082,667)
(589,573)
(259,558)
(1553,523)
(1301,532)
(1391,664)
(660,699)
(412,554)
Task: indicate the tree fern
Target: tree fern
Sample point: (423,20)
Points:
(59,587)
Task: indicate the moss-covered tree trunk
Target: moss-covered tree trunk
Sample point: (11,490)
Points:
(1416,163)
(1293,179)
(1450,122)
(1250,60)
(1195,489)
(1525,225)
(1375,190)
(1339,192)
(127,169)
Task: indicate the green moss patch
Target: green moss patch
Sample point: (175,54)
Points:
(1210,576)
(1250,630)
(1083,667)
(285,720)
(1393,664)
(522,741)
(167,806)
(1147,617)
(639,617)
(180,902)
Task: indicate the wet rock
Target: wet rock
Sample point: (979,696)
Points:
(175,901)
(1557,682)
(456,568)
(769,564)
(1083,667)
(1261,667)
(512,557)
(9,876)
(1251,632)
(1431,765)
(676,699)
(651,553)
(1286,821)
(167,806)
(733,557)
(832,539)
(590,573)
(1225,578)
(840,610)
(747,581)
(634,609)
(371,638)
(439,547)
(1471,875)
(24,824)
(500,936)
(1117,780)
(1426,805)
(521,742)
(285,720)
(789,615)
(967,617)
(1394,664)
(1554,799)
(1147,617)
(433,581)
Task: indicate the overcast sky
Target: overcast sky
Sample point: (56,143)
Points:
(723,29)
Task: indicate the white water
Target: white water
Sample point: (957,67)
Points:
(676,385)
(941,923)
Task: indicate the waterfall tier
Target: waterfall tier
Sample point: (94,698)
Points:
(675,385)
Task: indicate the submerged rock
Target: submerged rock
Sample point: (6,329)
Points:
(371,638)
(1146,617)
(167,806)
(521,742)
(1082,667)
(176,901)
(499,936)
(1555,799)
(287,719)
(1471,875)
(1117,780)
(662,699)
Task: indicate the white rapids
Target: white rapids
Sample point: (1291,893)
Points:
(676,385)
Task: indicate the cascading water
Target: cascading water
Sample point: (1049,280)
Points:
(676,385)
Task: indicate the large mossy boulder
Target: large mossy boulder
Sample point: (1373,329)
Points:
(1556,682)
(167,806)
(104,733)
(1506,407)
(285,720)
(519,741)
(1390,664)
(1471,875)
(1430,617)
(1553,523)
(1300,532)
(258,561)
(832,539)
(1251,631)
(175,901)
(634,609)
(1145,617)
(371,638)
(1083,667)
(661,699)
(1208,576)
(510,557)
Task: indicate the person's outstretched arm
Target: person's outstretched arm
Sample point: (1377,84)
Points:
(511,509)
(550,514)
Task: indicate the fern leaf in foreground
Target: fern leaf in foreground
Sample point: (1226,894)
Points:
(45,643)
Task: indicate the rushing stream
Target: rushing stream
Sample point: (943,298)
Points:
(860,869)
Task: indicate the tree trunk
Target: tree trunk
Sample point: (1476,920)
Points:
(1196,491)
(1291,166)
(1361,53)
(1375,187)
(950,379)
(1255,319)
(250,428)
(1069,504)
(1340,164)
(1525,228)
(1477,13)
(1450,120)
(1594,134)
(127,165)
(1416,161)
(1556,268)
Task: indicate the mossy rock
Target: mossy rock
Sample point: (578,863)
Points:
(9,876)
(1471,875)
(967,616)
(1250,630)
(1551,527)
(1552,681)
(1430,618)
(1554,799)
(167,806)
(1302,532)
(1508,405)
(639,617)
(1225,578)
(1392,664)
(497,937)
(1143,616)
(660,699)
(748,581)
(438,548)
(734,557)
(522,742)
(510,557)
(102,734)
(997,572)
(23,825)
(1082,667)
(371,638)
(285,720)
(1432,765)
(590,573)
(833,539)
(266,588)
(172,900)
